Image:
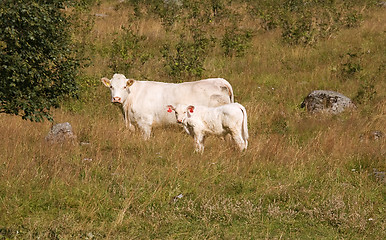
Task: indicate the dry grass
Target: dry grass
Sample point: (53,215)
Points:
(302,177)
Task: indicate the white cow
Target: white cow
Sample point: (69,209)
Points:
(200,120)
(143,102)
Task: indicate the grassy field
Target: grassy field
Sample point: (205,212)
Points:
(303,176)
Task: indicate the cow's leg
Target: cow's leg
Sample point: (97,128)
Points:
(128,122)
(129,125)
(146,129)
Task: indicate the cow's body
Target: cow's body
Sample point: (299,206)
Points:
(143,102)
(199,121)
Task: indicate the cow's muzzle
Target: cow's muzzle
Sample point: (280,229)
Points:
(116,100)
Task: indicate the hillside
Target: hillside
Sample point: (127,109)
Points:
(303,176)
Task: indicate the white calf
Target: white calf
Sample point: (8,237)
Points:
(200,120)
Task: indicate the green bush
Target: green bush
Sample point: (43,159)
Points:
(350,65)
(236,41)
(186,58)
(307,22)
(38,62)
(127,51)
(366,91)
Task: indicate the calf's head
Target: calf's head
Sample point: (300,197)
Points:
(182,112)
(119,87)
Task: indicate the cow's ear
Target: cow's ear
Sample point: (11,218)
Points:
(191,109)
(130,82)
(106,82)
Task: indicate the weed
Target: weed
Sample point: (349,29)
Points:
(187,58)
(350,65)
(236,41)
(125,51)
(366,91)
(306,23)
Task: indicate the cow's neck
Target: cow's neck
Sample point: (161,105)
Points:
(127,104)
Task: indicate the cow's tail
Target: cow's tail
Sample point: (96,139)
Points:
(230,90)
(244,128)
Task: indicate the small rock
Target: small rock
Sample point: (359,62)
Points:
(326,101)
(376,135)
(177,3)
(60,133)
(100,15)
(84,143)
(382,4)
(380,176)
(90,235)
(176,198)
(372,135)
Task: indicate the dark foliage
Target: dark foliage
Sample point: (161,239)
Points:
(38,62)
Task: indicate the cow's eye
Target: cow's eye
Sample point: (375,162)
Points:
(124,87)
(111,86)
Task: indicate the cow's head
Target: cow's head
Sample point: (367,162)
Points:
(119,87)
(182,112)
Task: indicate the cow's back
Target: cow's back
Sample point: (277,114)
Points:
(210,92)
(150,98)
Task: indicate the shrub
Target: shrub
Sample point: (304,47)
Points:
(267,12)
(187,58)
(38,62)
(350,64)
(236,41)
(307,22)
(366,91)
(307,25)
(127,51)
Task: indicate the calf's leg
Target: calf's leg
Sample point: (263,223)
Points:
(199,143)
(238,138)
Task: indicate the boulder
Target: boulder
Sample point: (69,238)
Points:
(60,133)
(326,101)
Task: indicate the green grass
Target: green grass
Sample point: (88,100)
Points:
(303,176)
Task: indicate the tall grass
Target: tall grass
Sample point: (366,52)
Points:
(302,177)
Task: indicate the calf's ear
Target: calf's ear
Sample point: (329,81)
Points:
(106,82)
(170,108)
(191,109)
(130,82)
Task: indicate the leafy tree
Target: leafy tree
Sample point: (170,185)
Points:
(38,63)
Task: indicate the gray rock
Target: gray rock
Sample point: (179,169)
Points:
(372,135)
(376,134)
(379,176)
(60,133)
(326,101)
(382,4)
(100,15)
(177,3)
